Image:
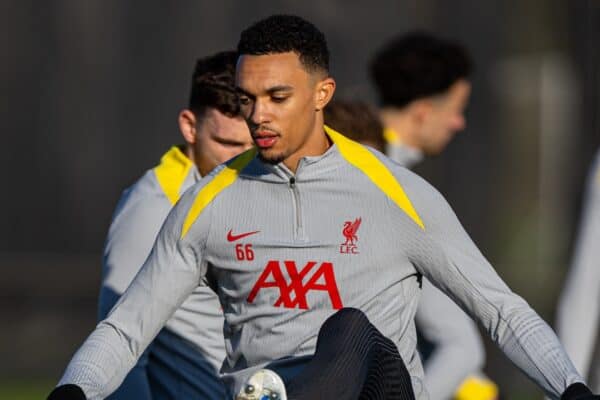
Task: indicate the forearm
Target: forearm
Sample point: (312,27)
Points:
(533,347)
(113,348)
(517,330)
(101,364)
(452,262)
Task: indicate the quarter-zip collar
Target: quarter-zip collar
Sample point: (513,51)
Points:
(308,167)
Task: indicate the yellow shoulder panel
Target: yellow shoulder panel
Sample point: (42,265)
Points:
(171,172)
(391,136)
(223,179)
(360,157)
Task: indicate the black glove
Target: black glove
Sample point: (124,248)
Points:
(67,392)
(578,391)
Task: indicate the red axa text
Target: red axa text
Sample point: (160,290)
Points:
(293,293)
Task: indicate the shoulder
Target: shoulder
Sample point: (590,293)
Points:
(414,184)
(211,186)
(197,201)
(140,212)
(423,201)
(145,193)
(416,196)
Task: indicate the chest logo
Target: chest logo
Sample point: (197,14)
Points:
(292,293)
(232,238)
(349,231)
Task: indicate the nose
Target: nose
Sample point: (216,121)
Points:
(259,114)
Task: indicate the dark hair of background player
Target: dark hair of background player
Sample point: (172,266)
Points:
(213,84)
(356,120)
(285,33)
(417,65)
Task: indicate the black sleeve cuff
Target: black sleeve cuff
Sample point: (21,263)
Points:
(67,392)
(576,391)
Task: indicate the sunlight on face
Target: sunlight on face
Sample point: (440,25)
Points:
(278,101)
(219,138)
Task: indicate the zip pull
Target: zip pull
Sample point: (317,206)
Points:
(292,182)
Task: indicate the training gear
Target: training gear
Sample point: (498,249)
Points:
(67,392)
(406,156)
(578,391)
(353,360)
(578,316)
(185,357)
(451,332)
(279,286)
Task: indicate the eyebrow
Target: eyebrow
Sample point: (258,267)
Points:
(280,88)
(271,90)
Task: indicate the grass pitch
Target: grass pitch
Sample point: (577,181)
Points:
(25,390)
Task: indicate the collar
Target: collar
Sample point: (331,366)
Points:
(172,172)
(401,153)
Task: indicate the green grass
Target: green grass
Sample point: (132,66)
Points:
(25,390)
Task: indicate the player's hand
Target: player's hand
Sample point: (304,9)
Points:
(67,392)
(578,391)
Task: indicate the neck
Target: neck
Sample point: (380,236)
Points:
(401,123)
(317,144)
(191,153)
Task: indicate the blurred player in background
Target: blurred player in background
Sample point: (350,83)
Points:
(298,201)
(184,359)
(359,121)
(423,87)
(578,319)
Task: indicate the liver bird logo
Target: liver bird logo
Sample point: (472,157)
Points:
(349,231)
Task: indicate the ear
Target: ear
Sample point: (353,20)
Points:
(324,92)
(420,110)
(187,125)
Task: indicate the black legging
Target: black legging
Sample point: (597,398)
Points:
(353,361)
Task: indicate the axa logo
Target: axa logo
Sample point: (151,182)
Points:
(349,231)
(313,276)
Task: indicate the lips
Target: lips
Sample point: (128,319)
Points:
(265,139)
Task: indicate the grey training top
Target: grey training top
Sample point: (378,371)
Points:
(137,220)
(459,350)
(406,156)
(350,229)
(578,318)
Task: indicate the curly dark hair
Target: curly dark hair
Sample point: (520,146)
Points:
(283,33)
(356,120)
(213,84)
(417,65)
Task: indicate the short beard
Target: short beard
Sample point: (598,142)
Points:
(273,160)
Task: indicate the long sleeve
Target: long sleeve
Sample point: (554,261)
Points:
(578,316)
(133,231)
(450,260)
(172,271)
(458,348)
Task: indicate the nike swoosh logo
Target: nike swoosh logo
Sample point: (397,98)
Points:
(232,238)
